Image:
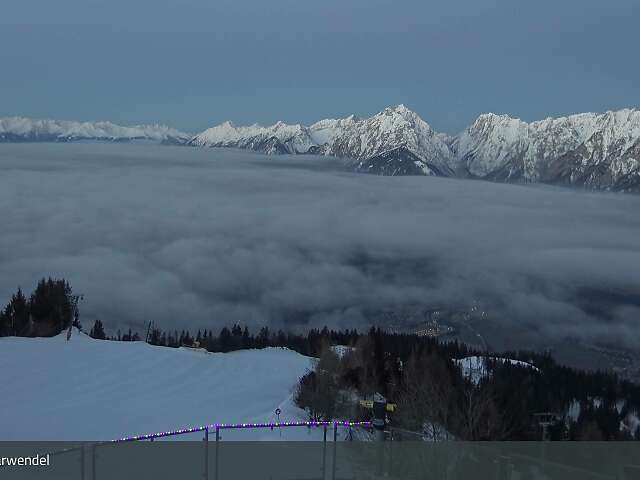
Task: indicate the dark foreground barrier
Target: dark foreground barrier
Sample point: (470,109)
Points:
(319,460)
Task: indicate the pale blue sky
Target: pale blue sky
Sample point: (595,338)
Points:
(194,63)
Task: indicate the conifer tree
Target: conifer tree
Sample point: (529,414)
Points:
(53,306)
(225,340)
(16,315)
(97,331)
(246,340)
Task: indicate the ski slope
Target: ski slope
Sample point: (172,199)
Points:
(86,389)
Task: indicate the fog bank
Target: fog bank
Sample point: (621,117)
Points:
(205,238)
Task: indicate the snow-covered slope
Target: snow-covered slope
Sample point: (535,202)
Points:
(20,129)
(87,389)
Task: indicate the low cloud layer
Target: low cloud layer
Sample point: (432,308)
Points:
(205,238)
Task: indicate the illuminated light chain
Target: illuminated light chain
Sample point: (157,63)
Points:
(231,426)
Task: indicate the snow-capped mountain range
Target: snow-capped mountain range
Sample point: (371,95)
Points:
(397,133)
(600,151)
(593,150)
(20,129)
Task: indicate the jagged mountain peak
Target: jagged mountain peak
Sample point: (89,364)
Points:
(625,118)
(390,129)
(400,113)
(400,109)
(491,117)
(281,124)
(623,113)
(333,122)
(503,126)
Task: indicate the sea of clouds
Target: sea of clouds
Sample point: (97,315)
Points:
(206,238)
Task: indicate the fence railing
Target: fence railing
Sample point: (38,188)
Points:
(87,451)
(217,427)
(406,456)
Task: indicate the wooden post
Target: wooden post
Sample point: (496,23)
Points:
(206,453)
(324,454)
(82,462)
(93,462)
(390,467)
(335,450)
(217,451)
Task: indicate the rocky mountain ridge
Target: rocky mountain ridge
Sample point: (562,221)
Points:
(591,150)
(598,151)
(20,129)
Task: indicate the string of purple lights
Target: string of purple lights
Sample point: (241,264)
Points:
(227,426)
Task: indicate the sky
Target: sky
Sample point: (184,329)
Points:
(200,238)
(194,63)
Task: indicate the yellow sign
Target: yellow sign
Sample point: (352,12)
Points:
(391,407)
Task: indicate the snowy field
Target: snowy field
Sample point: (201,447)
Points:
(85,389)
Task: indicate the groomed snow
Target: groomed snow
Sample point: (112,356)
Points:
(86,389)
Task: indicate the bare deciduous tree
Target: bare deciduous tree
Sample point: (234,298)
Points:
(427,398)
